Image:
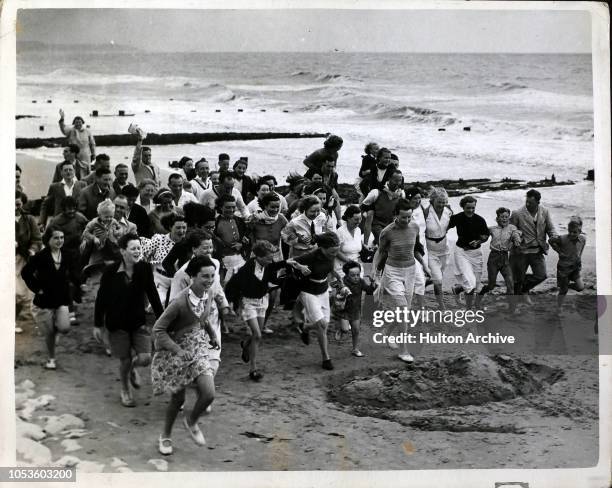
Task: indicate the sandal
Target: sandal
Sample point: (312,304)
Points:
(164,446)
(255,375)
(246,357)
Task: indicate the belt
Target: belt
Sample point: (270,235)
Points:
(498,250)
(435,239)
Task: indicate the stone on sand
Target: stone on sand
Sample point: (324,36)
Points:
(159,464)
(67,461)
(56,424)
(25,385)
(33,451)
(29,430)
(74,433)
(70,445)
(117,462)
(31,404)
(124,469)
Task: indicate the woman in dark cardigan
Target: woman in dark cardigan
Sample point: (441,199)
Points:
(120,306)
(249,289)
(49,274)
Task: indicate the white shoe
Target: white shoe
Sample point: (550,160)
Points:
(50,364)
(18,330)
(208,409)
(267,330)
(164,446)
(195,432)
(407,358)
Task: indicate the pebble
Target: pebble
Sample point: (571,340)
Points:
(29,431)
(32,404)
(74,433)
(67,461)
(70,445)
(117,462)
(33,451)
(55,424)
(159,464)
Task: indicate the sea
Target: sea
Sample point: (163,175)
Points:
(524,116)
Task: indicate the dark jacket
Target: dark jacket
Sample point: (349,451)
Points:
(371,182)
(248,189)
(121,304)
(52,205)
(245,284)
(89,199)
(27,235)
(316,159)
(51,286)
(139,216)
(368,163)
(221,248)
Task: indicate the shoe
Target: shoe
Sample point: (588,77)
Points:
(135,378)
(327,364)
(304,335)
(407,358)
(246,357)
(195,432)
(208,409)
(18,330)
(255,375)
(164,446)
(108,352)
(267,330)
(127,400)
(357,353)
(50,364)
(338,335)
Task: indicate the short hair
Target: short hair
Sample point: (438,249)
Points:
(268,178)
(48,234)
(65,163)
(333,142)
(125,239)
(146,181)
(350,211)
(241,161)
(120,166)
(369,146)
(314,188)
(22,196)
(168,220)
(437,192)
(264,248)
(394,157)
(575,222)
(307,202)
(294,179)
(534,194)
(502,210)
(223,157)
(146,148)
(397,172)
(467,199)
(102,156)
(197,263)
(102,171)
(381,151)
(401,205)
(194,238)
(197,214)
(267,199)
(260,183)
(226,174)
(120,196)
(350,265)
(74,148)
(327,240)
(106,204)
(223,199)
(68,202)
(203,160)
(174,176)
(129,191)
(78,117)
(214,172)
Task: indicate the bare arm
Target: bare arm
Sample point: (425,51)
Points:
(367,228)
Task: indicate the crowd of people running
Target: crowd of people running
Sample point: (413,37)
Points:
(211,243)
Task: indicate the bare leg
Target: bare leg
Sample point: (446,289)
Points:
(206,395)
(355,324)
(50,334)
(172,410)
(439,296)
(321,329)
(125,367)
(254,339)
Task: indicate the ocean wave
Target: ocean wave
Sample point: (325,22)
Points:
(507,86)
(324,77)
(71,76)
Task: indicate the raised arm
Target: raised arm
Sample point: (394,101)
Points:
(62,125)
(92,147)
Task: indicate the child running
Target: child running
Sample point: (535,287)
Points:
(504,236)
(350,317)
(569,247)
(249,288)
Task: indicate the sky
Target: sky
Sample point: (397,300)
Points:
(313,30)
